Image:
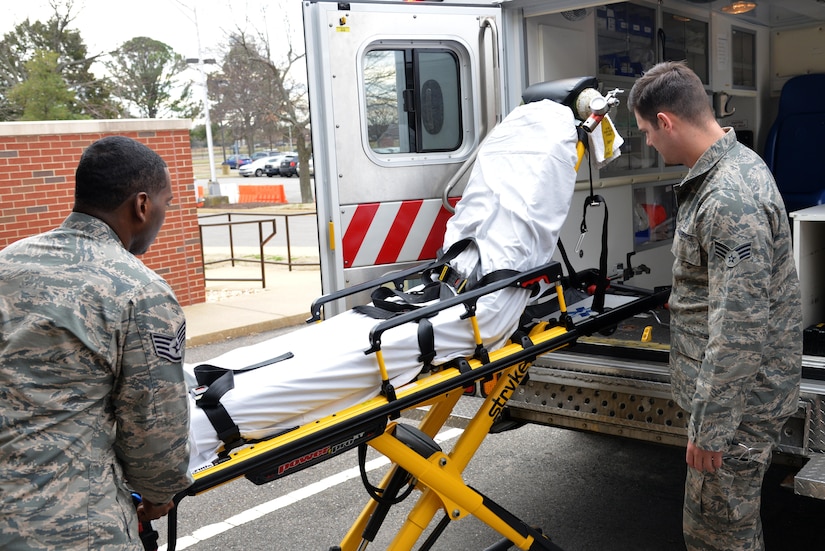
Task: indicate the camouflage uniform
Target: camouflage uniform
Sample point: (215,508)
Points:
(736,336)
(92,399)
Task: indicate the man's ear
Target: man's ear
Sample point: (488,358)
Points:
(141,206)
(665,120)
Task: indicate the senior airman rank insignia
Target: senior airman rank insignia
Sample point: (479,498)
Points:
(732,256)
(170,347)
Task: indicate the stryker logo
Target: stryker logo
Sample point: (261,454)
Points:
(326,450)
(514,378)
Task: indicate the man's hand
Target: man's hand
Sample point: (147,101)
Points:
(702,460)
(147,510)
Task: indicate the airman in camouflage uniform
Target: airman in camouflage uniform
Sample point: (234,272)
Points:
(92,400)
(736,328)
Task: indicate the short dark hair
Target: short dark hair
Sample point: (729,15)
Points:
(115,168)
(670,86)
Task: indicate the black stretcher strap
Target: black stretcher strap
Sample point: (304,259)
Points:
(388,303)
(384,308)
(590,200)
(601,282)
(494,276)
(214,382)
(206,374)
(426,343)
(408,301)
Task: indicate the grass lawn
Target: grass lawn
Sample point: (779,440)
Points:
(200,165)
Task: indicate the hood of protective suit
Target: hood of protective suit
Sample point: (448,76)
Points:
(519,191)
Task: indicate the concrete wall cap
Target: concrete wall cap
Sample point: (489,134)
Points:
(108,126)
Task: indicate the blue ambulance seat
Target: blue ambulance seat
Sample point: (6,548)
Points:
(795,148)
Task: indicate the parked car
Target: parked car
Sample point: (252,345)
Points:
(237,161)
(311,168)
(274,168)
(289,166)
(261,154)
(256,167)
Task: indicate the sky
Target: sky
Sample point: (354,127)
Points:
(106,24)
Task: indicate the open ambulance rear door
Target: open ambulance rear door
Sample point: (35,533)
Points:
(401,95)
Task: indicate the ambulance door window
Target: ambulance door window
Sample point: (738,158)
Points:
(384,78)
(438,110)
(412,100)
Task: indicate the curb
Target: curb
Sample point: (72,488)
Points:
(246,330)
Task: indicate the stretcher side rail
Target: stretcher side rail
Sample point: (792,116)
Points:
(396,278)
(549,273)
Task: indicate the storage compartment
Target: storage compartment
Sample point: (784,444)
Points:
(809,255)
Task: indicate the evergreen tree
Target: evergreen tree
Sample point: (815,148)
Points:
(145,75)
(44,95)
(91,95)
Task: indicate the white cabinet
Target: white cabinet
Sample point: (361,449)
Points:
(809,255)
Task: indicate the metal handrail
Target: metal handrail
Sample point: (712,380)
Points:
(487,23)
(261,220)
(289,262)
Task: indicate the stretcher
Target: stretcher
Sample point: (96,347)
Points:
(419,462)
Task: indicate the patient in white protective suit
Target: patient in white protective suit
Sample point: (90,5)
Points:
(513,206)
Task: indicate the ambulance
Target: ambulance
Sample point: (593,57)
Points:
(403,93)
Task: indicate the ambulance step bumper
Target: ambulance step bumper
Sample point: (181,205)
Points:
(810,481)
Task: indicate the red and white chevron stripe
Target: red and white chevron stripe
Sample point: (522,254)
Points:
(397,231)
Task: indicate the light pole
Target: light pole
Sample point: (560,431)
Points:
(200,63)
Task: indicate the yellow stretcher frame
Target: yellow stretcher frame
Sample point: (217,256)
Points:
(416,457)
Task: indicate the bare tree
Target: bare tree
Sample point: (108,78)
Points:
(270,94)
(236,90)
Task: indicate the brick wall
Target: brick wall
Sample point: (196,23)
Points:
(37,165)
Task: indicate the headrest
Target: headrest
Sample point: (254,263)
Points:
(564,91)
(802,94)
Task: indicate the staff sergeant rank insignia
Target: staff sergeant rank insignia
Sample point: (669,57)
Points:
(731,256)
(168,347)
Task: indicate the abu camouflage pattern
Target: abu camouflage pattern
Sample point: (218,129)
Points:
(736,332)
(722,509)
(736,329)
(92,398)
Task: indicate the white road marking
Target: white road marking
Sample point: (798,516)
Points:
(211,530)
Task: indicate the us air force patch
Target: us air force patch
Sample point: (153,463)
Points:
(170,347)
(732,256)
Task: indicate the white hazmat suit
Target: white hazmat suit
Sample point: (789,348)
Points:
(515,202)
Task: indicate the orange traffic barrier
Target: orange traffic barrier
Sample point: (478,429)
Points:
(261,194)
(272,194)
(247,194)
